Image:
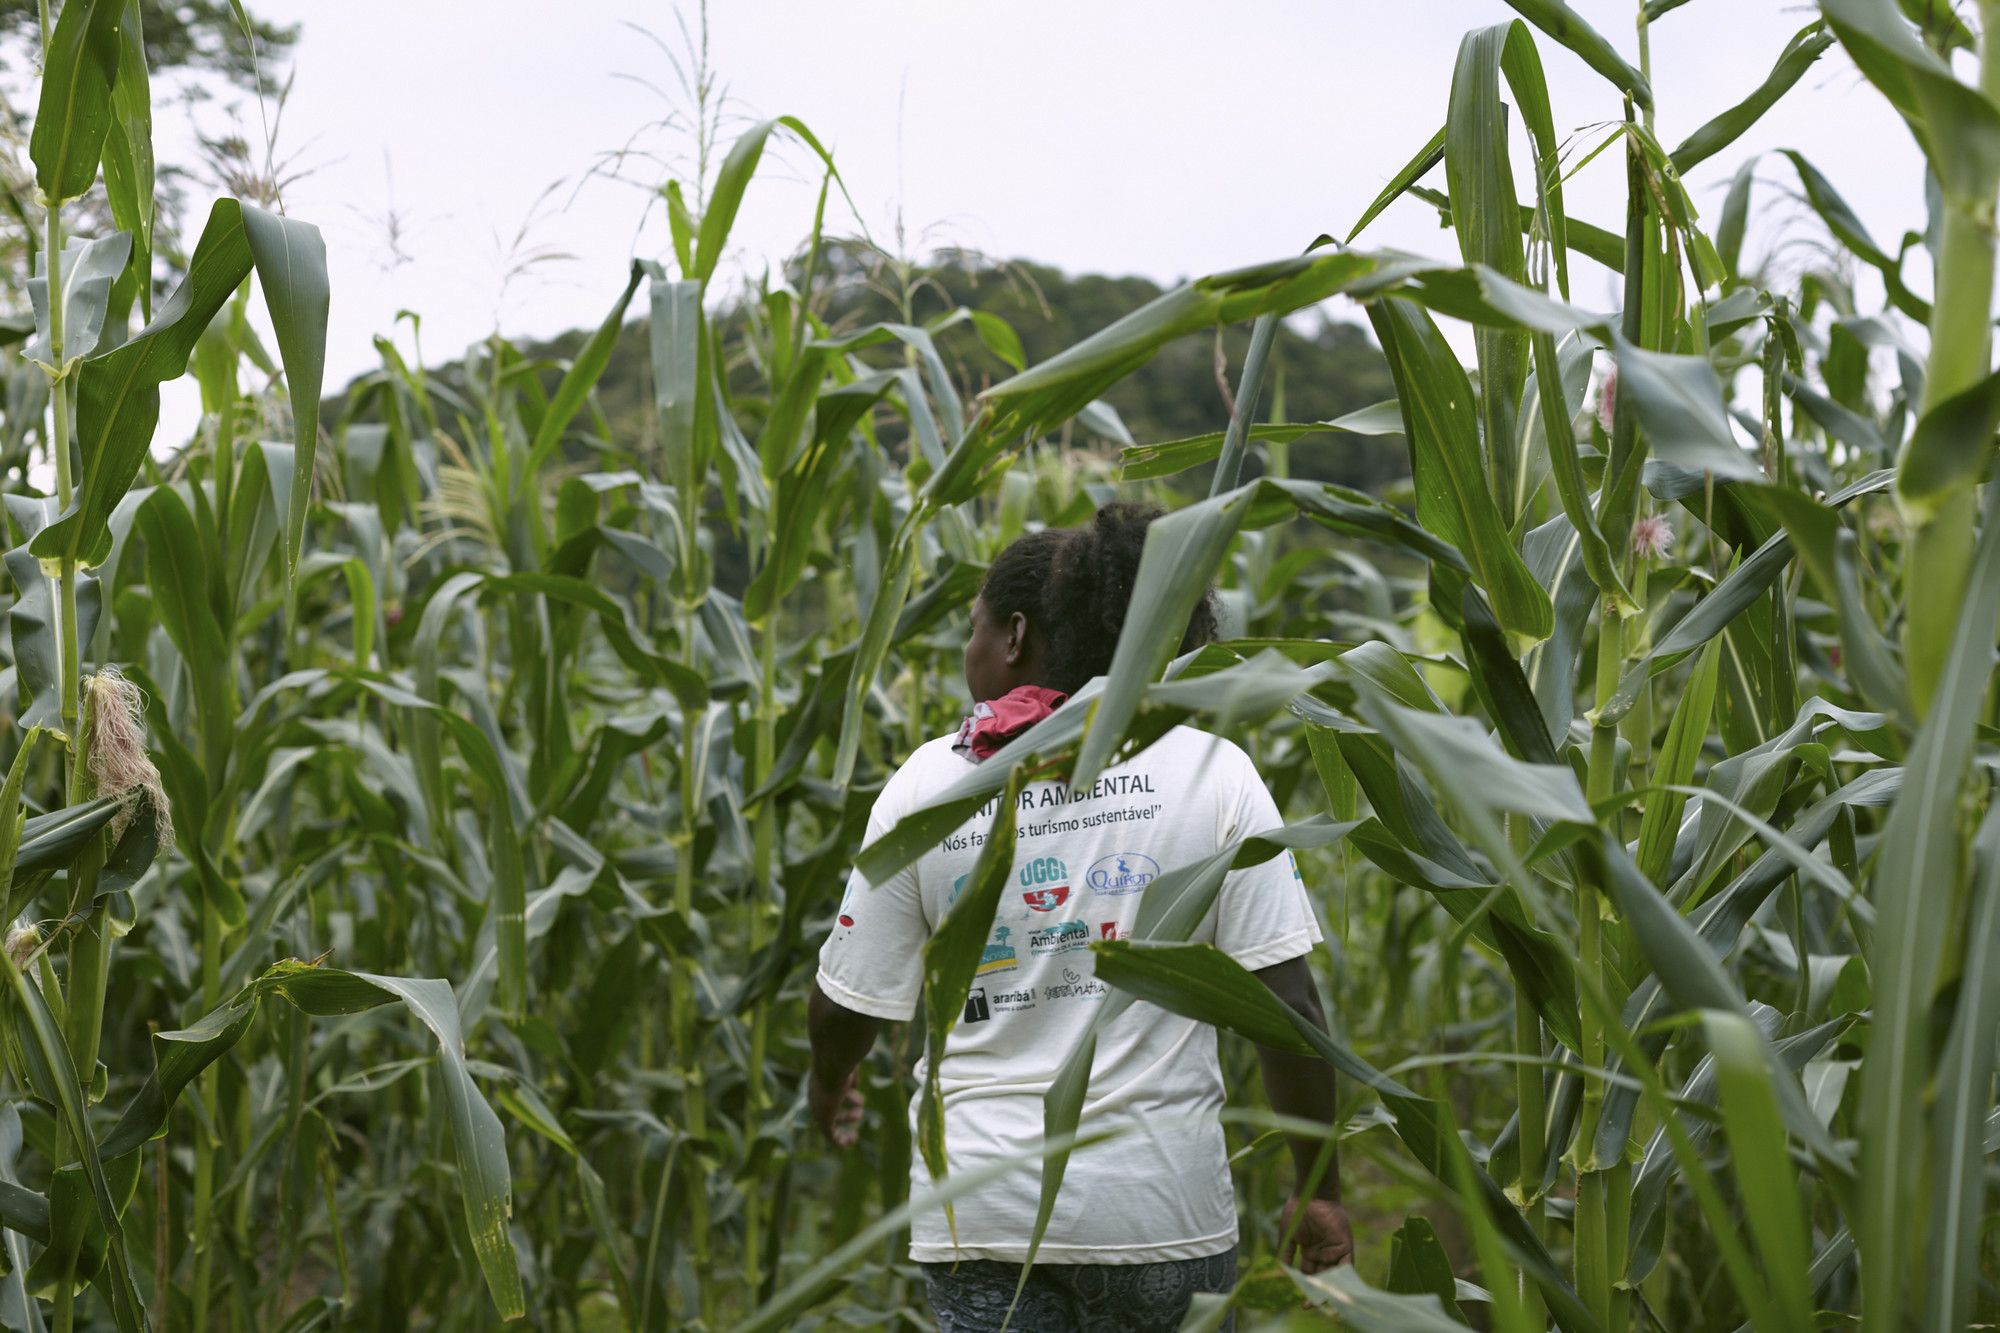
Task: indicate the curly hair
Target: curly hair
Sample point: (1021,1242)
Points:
(1074,584)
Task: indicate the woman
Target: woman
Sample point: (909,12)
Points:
(1147,1218)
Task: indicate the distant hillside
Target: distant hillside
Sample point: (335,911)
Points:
(1333,371)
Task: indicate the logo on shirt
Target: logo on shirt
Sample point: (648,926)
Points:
(1126,872)
(1046,900)
(845,899)
(1015,1001)
(1059,938)
(976,1010)
(1076,986)
(1109,931)
(1045,883)
(997,956)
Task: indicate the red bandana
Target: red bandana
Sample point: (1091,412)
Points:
(993,724)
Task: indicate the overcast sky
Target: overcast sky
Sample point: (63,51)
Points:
(1165,138)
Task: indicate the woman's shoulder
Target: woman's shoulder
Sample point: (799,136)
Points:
(1193,740)
(930,768)
(1200,755)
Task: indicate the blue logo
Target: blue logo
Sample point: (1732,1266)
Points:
(999,956)
(1127,872)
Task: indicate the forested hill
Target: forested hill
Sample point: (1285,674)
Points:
(1333,369)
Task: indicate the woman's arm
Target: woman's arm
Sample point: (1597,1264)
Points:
(1302,1086)
(840,1039)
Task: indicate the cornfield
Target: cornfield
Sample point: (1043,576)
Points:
(418,823)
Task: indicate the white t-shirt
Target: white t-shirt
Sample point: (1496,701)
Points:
(1154,1194)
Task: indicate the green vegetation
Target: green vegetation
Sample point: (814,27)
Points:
(415,840)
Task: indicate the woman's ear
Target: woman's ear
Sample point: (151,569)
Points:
(1017,639)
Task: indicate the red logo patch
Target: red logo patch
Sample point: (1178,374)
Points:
(1046,900)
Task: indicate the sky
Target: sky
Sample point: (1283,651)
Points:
(454,152)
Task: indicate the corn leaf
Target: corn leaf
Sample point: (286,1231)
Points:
(1917,870)
(1806,46)
(74,113)
(1561,22)
(1454,500)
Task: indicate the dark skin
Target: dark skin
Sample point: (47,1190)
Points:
(999,656)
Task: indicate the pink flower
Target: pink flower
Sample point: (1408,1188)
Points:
(1652,537)
(1607,399)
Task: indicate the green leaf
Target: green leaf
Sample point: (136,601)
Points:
(1199,981)
(1735,218)
(1358,515)
(1917,871)
(999,338)
(74,113)
(802,478)
(1690,974)
(178,1057)
(178,577)
(1458,756)
(870,654)
(1735,1254)
(10,817)
(479,1141)
(1503,687)
(54,1076)
(1170,909)
(1485,214)
(1846,226)
(88,270)
(1453,498)
(1766,1183)
(510,888)
(1561,22)
(1418,1264)
(1522,64)
(1143,462)
(675,333)
(1660,825)
(118,391)
(1679,405)
(1957,126)
(726,196)
(951,957)
(1181,552)
(1806,46)
(291,268)
(1566,467)
(1829,553)
(54,840)
(1360,1306)
(128,151)
(1710,616)
(1413,171)
(956,584)
(577,382)
(1965,1070)
(1950,448)
(1046,395)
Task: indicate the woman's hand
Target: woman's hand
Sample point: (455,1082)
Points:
(836,1110)
(1322,1239)
(840,1038)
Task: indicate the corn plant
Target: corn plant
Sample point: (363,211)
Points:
(1733,614)
(1631,752)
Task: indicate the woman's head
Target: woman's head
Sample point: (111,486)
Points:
(1053,603)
